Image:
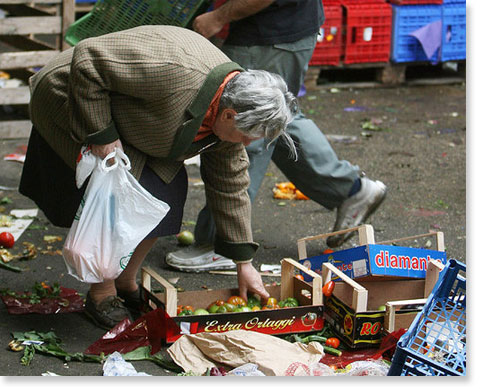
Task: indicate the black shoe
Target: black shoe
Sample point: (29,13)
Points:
(133,301)
(108,313)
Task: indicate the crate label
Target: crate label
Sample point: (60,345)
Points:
(360,268)
(376,260)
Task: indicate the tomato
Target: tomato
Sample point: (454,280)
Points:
(6,239)
(272,306)
(299,276)
(237,300)
(328,251)
(332,342)
(271,301)
(328,288)
(229,307)
(188,308)
(253,302)
(179,309)
(255,308)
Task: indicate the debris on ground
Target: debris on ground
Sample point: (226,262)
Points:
(116,366)
(42,299)
(287,191)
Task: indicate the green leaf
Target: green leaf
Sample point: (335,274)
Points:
(5,200)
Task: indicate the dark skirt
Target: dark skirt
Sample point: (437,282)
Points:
(50,183)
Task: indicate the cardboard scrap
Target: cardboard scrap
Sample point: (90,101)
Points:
(22,218)
(235,348)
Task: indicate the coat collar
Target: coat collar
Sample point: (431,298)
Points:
(184,139)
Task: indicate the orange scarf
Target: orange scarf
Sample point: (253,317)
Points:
(212,111)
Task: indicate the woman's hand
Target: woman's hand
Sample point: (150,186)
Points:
(249,280)
(102,151)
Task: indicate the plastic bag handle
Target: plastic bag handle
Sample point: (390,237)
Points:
(123,159)
(103,164)
(120,158)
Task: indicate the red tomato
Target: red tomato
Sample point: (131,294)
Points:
(328,288)
(179,309)
(6,239)
(328,251)
(332,342)
(237,300)
(299,276)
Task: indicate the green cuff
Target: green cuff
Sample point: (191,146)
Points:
(103,137)
(239,251)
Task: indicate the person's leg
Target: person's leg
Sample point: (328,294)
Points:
(317,173)
(127,280)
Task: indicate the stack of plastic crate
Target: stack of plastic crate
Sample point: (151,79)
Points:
(454,30)
(411,15)
(435,343)
(368,28)
(328,49)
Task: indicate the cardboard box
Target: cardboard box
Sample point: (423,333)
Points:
(375,259)
(353,309)
(307,317)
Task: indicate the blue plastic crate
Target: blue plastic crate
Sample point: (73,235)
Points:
(435,344)
(407,19)
(454,31)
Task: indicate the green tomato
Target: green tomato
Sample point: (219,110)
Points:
(185,313)
(242,309)
(213,308)
(201,311)
(229,307)
(382,308)
(252,302)
(185,238)
(221,309)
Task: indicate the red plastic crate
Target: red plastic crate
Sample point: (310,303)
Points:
(328,49)
(368,32)
(412,2)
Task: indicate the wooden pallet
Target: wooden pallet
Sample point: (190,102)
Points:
(31,34)
(384,74)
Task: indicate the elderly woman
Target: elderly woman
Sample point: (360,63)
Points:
(163,94)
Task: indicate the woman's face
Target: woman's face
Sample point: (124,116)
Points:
(225,129)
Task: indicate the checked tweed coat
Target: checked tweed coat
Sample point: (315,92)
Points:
(150,87)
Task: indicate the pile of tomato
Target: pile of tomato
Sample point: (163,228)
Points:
(238,304)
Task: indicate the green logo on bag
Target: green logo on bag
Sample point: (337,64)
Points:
(124,260)
(80,209)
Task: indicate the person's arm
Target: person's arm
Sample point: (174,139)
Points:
(210,23)
(225,175)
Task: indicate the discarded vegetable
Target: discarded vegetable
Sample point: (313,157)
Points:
(6,239)
(328,288)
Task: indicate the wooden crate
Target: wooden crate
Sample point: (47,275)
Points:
(31,33)
(307,317)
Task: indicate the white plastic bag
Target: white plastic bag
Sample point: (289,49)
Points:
(114,216)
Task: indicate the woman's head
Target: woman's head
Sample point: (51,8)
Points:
(262,103)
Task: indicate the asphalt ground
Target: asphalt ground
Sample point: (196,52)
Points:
(418,151)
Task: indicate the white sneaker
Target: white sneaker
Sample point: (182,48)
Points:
(198,259)
(356,209)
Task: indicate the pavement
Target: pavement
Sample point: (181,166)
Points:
(412,138)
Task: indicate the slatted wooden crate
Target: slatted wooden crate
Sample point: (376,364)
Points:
(31,33)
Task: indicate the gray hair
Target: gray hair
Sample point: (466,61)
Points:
(263,104)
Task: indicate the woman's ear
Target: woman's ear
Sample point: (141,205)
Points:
(228,114)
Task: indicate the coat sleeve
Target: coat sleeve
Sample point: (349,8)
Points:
(225,175)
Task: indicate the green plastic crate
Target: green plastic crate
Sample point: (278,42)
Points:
(116,15)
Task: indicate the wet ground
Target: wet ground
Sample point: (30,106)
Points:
(413,138)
